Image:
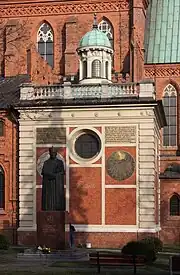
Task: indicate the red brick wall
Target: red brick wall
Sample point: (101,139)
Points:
(120,206)
(170,224)
(85,195)
(8,155)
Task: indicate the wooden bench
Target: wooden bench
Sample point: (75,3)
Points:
(174,264)
(101,258)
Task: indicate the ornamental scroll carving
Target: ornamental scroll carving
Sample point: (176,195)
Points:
(120,165)
(61,8)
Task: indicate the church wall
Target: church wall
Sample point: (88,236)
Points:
(163,75)
(8,158)
(97,204)
(68,28)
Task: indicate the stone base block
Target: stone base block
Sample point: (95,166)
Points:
(51,229)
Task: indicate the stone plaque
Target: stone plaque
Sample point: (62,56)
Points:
(51,229)
(51,135)
(120,134)
(120,165)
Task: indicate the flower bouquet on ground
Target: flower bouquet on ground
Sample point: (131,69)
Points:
(44,249)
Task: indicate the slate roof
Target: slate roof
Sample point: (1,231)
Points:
(9,89)
(162,39)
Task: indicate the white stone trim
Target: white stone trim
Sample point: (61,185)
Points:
(111,186)
(50,145)
(70,143)
(113,228)
(67,174)
(29,229)
(103,186)
(85,164)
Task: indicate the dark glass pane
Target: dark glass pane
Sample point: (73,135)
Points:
(172,120)
(172,140)
(41,48)
(106,69)
(87,146)
(1,128)
(2,195)
(166,101)
(166,130)
(174,206)
(166,110)
(84,69)
(172,110)
(49,48)
(50,60)
(172,130)
(165,140)
(172,101)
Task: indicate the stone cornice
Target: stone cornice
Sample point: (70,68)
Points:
(39,9)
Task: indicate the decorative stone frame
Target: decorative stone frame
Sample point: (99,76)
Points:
(71,144)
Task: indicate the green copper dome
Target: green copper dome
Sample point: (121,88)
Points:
(95,37)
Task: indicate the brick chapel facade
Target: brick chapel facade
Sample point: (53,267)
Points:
(39,46)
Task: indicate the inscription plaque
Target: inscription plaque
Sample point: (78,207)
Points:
(120,134)
(51,135)
(120,165)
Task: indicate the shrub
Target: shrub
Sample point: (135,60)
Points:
(155,242)
(4,243)
(136,248)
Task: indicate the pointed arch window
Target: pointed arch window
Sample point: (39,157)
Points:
(106,27)
(170,108)
(175,205)
(45,41)
(2,188)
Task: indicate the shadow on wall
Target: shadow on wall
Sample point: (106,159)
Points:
(170,225)
(77,196)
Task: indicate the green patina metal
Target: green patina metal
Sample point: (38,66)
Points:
(95,38)
(162,36)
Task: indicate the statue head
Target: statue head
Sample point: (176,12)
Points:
(53,152)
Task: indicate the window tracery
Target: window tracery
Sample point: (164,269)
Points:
(45,41)
(170,108)
(106,27)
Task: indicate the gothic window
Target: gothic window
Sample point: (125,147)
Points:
(45,41)
(1,128)
(84,69)
(175,205)
(170,108)
(106,27)
(96,68)
(2,189)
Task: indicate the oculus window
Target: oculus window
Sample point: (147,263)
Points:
(87,145)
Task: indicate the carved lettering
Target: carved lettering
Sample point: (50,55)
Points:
(51,135)
(120,134)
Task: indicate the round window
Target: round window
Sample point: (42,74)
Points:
(87,145)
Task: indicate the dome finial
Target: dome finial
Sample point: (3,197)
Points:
(95,25)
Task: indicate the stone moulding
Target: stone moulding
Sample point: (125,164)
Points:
(61,8)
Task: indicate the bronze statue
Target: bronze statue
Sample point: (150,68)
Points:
(53,197)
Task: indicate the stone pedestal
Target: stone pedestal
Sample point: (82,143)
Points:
(51,229)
